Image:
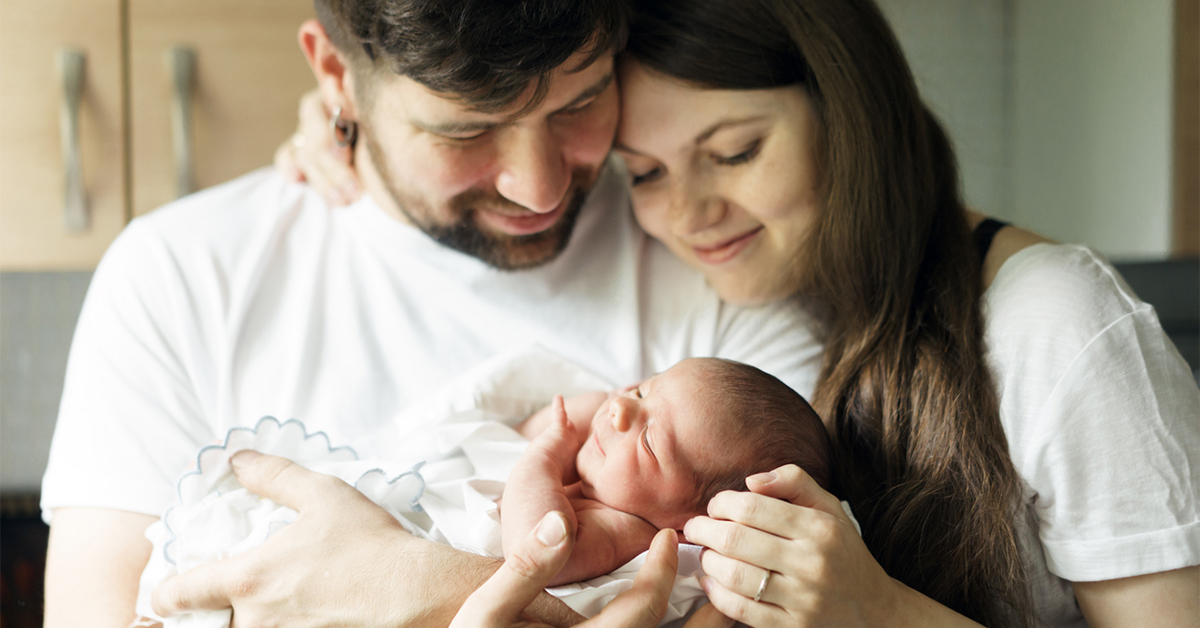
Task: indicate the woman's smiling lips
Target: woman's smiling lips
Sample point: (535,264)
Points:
(725,250)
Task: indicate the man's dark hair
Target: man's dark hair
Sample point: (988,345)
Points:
(486,52)
(770,423)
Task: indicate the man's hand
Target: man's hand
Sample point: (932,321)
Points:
(539,556)
(344,561)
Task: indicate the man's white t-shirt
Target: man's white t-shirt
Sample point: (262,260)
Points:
(1103,424)
(254,298)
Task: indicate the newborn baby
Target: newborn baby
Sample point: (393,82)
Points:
(623,465)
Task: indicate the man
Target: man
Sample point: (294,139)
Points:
(492,220)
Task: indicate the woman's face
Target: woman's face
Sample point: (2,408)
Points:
(727,179)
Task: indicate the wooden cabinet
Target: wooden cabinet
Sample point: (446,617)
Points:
(32,166)
(247,79)
(249,75)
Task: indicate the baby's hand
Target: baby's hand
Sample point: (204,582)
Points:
(606,538)
(560,442)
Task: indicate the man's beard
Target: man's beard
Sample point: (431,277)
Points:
(463,234)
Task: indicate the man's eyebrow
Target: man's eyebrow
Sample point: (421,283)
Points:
(596,89)
(479,126)
(459,127)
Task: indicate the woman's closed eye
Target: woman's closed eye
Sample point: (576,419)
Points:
(740,158)
(647,177)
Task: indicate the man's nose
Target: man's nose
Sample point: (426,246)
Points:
(534,173)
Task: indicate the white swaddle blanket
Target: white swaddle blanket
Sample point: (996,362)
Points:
(440,480)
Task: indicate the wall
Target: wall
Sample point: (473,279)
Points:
(960,53)
(37,318)
(1092,122)
(1060,111)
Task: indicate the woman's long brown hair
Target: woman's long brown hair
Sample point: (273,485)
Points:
(905,386)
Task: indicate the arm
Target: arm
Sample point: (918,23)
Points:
(90,583)
(1169,599)
(536,485)
(608,538)
(580,410)
(365,570)
(128,422)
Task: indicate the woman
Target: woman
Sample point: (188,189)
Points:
(1015,433)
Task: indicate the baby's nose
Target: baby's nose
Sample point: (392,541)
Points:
(622,414)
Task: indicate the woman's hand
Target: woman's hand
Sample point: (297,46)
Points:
(501,601)
(312,154)
(791,539)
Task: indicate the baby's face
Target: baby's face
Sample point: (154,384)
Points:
(647,442)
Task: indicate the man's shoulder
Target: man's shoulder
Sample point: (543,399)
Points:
(229,209)
(224,223)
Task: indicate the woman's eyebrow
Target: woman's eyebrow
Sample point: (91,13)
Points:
(625,149)
(721,124)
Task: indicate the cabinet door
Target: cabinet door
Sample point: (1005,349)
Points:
(249,75)
(33,233)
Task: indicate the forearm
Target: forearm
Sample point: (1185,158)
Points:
(94,561)
(534,488)
(453,575)
(907,608)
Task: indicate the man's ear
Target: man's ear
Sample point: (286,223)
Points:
(335,79)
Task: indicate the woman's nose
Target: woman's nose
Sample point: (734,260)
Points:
(693,209)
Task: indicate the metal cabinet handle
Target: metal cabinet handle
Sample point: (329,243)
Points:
(72,65)
(182,64)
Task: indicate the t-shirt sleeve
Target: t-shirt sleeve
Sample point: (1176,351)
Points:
(130,419)
(779,338)
(1113,455)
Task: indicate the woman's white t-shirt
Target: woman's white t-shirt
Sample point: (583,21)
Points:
(1103,423)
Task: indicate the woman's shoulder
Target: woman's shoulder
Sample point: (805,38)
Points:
(1058,289)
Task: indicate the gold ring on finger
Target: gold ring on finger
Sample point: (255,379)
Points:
(762,586)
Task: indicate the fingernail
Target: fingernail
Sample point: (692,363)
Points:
(706,584)
(762,478)
(552,530)
(242,458)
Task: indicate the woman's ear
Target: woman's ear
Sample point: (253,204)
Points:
(335,78)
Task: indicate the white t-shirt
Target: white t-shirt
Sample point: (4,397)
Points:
(1103,424)
(254,298)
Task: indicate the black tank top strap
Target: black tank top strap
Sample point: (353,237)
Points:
(984,233)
